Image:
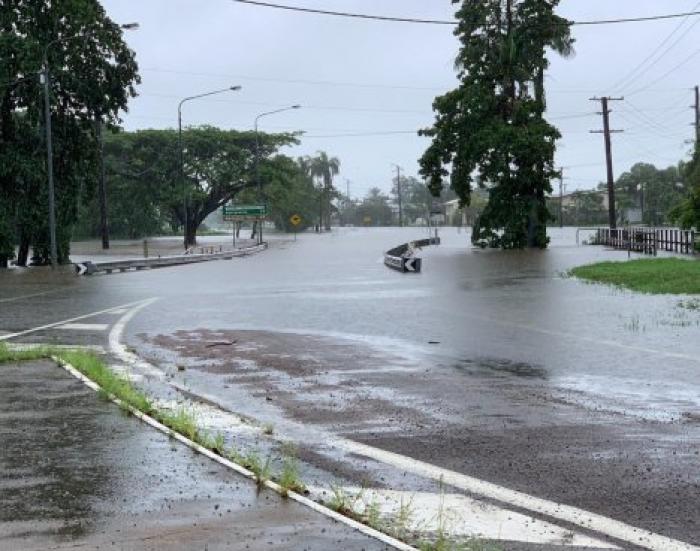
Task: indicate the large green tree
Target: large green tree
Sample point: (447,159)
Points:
(149,193)
(491,130)
(92,77)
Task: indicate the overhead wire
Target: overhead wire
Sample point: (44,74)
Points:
(633,75)
(394,19)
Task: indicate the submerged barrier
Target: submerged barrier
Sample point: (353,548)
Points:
(403,259)
(90,268)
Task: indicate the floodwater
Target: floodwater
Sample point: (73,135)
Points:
(492,364)
(515,313)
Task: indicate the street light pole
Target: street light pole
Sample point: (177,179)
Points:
(257,158)
(181,152)
(46,77)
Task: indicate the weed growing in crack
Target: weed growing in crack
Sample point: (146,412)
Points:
(254,463)
(373,515)
(289,479)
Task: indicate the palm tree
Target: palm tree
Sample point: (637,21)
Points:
(324,168)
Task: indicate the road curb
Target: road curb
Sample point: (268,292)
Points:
(325,511)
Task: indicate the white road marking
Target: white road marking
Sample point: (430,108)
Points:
(63,322)
(119,311)
(120,351)
(12,299)
(565,513)
(463,516)
(573,515)
(84,326)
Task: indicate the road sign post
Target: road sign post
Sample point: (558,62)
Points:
(244,213)
(295,219)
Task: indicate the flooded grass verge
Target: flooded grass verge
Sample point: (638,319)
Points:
(674,276)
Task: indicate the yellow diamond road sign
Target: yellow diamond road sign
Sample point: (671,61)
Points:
(296,219)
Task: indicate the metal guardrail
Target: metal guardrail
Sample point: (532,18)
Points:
(90,268)
(402,258)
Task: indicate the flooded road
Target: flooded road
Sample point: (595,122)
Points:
(489,364)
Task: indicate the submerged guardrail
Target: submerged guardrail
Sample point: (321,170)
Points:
(403,259)
(90,268)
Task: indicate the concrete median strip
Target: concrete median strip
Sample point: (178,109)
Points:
(298,498)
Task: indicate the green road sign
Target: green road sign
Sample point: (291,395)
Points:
(245,210)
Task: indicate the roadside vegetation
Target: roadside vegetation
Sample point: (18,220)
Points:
(673,276)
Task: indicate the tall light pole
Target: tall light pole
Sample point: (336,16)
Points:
(398,192)
(46,81)
(181,152)
(257,155)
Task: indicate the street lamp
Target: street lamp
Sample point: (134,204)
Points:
(46,80)
(257,155)
(181,153)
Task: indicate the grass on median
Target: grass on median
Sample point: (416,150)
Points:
(656,276)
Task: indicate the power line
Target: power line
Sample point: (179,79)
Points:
(393,19)
(633,75)
(300,81)
(662,77)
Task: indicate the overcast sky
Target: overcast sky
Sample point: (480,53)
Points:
(363,77)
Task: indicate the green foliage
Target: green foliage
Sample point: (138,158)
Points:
(182,421)
(491,129)
(289,478)
(657,276)
(374,210)
(147,194)
(687,212)
(655,190)
(92,78)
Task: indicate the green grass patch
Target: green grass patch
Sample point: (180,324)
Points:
(7,355)
(112,384)
(674,276)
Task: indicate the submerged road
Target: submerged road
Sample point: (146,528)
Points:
(490,379)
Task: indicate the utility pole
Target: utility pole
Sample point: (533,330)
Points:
(697,114)
(608,155)
(398,193)
(561,199)
(102,191)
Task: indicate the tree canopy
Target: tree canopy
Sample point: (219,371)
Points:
(491,129)
(93,74)
(147,193)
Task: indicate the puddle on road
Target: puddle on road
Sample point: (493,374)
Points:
(498,366)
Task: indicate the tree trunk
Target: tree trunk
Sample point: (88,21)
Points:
(255,230)
(23,252)
(191,233)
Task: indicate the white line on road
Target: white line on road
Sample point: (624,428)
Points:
(84,326)
(12,299)
(63,322)
(579,517)
(121,352)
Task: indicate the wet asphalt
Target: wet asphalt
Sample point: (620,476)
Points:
(77,473)
(492,364)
